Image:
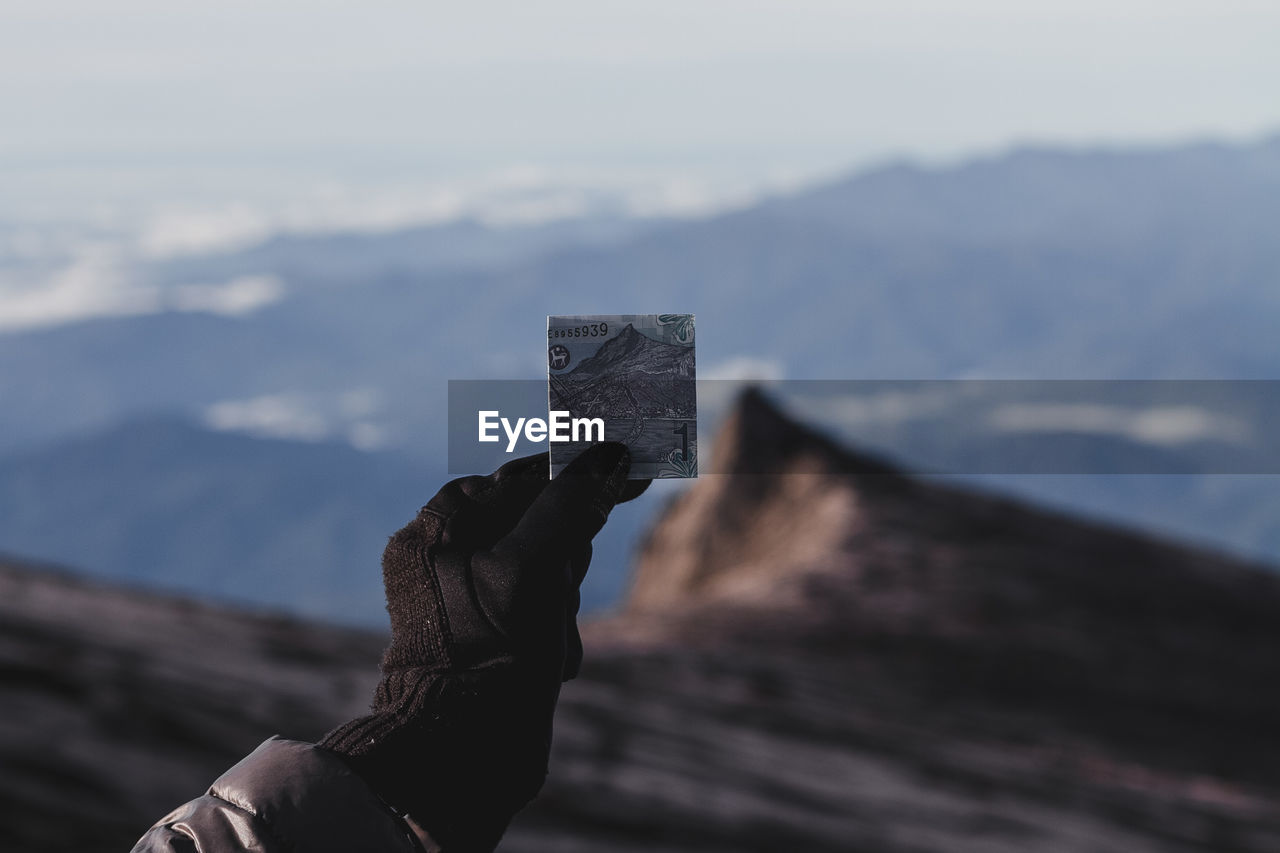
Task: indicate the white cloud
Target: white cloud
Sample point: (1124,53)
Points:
(269,416)
(349,416)
(92,285)
(195,230)
(65,266)
(229,211)
(1162,425)
(880,408)
(235,298)
(97,280)
(367,436)
(745,368)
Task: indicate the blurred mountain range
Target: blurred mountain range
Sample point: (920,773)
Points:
(833,657)
(1039,263)
(296,526)
(289,524)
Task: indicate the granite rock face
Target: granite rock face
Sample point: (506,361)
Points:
(120,705)
(808,660)
(863,661)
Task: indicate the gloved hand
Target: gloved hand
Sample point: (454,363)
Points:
(482,589)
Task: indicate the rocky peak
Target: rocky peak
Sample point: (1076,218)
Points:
(797,538)
(773,502)
(624,342)
(626,346)
(758,438)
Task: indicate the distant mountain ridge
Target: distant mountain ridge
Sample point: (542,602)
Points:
(268,522)
(1023,264)
(164,502)
(1039,263)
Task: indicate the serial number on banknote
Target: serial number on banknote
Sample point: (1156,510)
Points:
(592,330)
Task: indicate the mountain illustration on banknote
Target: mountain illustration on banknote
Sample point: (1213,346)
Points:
(631,374)
(636,372)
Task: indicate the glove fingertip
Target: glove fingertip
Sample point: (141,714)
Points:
(633,489)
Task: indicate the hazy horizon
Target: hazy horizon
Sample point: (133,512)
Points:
(141,133)
(120,112)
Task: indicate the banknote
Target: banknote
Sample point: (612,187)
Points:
(635,373)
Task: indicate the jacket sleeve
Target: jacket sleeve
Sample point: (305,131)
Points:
(286,796)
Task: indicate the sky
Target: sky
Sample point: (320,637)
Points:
(190,123)
(743,86)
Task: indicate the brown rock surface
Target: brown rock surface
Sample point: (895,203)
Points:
(871,662)
(808,661)
(119,704)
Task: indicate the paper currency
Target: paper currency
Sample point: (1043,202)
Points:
(636,373)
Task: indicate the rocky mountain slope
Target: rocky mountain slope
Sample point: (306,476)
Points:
(807,661)
(120,704)
(865,661)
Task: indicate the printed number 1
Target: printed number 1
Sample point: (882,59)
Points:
(683,432)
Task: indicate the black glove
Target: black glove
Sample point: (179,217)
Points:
(482,588)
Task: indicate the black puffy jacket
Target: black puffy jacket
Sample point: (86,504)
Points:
(287,795)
